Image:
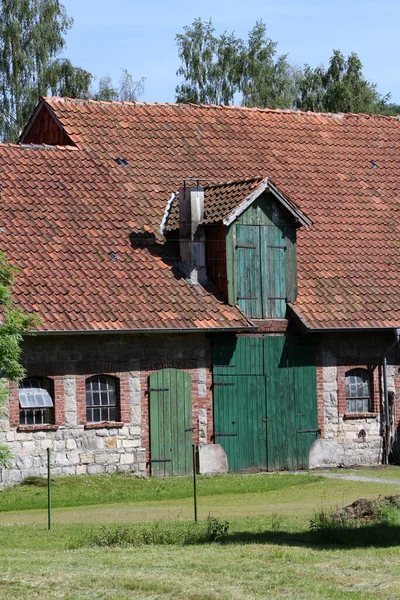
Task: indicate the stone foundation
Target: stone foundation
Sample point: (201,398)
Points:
(79,448)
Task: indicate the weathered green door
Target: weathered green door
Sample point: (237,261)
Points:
(170,400)
(265,405)
(260,264)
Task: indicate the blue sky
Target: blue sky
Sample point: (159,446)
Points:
(140,36)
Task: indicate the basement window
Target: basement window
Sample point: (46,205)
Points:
(36,402)
(358,394)
(101,399)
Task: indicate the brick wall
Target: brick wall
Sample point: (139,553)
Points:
(79,447)
(353,439)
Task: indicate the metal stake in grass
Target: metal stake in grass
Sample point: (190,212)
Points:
(194,483)
(48,490)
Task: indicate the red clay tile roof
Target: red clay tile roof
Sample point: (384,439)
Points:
(342,171)
(219,201)
(67,221)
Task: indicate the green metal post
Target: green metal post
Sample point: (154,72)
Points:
(48,490)
(194,483)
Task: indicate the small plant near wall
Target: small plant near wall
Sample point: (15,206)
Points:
(14,323)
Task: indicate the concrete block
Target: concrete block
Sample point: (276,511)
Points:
(212,459)
(326,453)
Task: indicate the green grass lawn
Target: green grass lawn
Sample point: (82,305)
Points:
(269,551)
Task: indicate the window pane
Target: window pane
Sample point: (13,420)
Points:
(357,391)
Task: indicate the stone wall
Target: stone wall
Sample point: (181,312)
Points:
(78,447)
(351,439)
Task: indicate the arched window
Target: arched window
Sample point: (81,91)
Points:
(358,394)
(36,401)
(101,399)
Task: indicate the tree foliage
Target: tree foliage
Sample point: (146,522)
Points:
(223,69)
(128,90)
(31,38)
(13,324)
(215,69)
(341,87)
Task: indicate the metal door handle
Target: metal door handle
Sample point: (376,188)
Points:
(265,420)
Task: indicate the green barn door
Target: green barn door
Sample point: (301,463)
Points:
(305,386)
(170,400)
(281,435)
(240,420)
(240,402)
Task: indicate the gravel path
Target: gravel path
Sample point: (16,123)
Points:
(361,478)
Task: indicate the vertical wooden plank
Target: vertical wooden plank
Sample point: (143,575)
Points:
(170,402)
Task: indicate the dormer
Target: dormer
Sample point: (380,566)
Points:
(248,229)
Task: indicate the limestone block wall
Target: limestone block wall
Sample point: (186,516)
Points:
(78,447)
(351,439)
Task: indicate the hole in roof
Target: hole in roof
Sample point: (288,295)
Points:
(113,256)
(1,230)
(122,162)
(374,164)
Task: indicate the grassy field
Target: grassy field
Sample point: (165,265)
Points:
(269,551)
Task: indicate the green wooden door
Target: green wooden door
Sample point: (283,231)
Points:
(240,420)
(249,286)
(265,404)
(170,403)
(272,255)
(305,386)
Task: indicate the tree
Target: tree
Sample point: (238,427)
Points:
(215,69)
(128,89)
(342,87)
(266,81)
(31,37)
(65,80)
(14,323)
(210,66)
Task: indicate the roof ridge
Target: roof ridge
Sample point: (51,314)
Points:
(234,181)
(56,148)
(284,111)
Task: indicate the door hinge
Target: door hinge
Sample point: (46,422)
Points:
(281,247)
(246,247)
(159,460)
(277,298)
(225,434)
(218,383)
(309,431)
(247,297)
(158,390)
(230,366)
(190,429)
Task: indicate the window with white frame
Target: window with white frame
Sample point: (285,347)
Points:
(36,405)
(358,391)
(101,399)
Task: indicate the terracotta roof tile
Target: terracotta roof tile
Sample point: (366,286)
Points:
(342,171)
(65,223)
